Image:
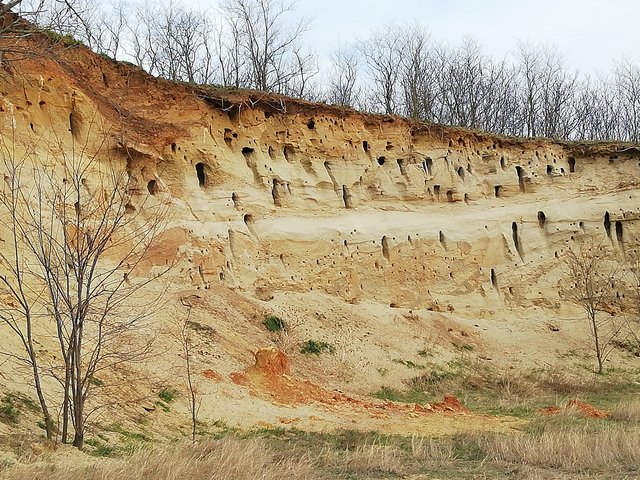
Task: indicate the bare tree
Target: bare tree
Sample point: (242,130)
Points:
(343,77)
(78,248)
(266,44)
(627,84)
(382,53)
(589,282)
(187,342)
(418,76)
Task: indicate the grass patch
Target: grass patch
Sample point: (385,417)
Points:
(201,328)
(274,324)
(167,395)
(100,449)
(9,411)
(316,347)
(11,406)
(408,363)
(67,40)
(117,428)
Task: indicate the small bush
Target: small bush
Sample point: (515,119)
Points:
(8,409)
(67,40)
(167,394)
(274,324)
(316,347)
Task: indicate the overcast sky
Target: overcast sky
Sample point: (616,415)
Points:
(592,34)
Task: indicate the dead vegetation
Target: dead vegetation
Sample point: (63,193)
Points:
(559,447)
(221,459)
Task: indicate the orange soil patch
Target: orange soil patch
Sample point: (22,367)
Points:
(587,410)
(550,410)
(450,404)
(582,407)
(212,375)
(270,376)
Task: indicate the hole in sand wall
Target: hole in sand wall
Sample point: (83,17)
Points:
(619,232)
(235,199)
(385,247)
(494,279)
(428,165)
(516,237)
(74,124)
(247,151)
(346,197)
(401,166)
(607,224)
(365,146)
(436,191)
(288,152)
(496,190)
(275,194)
(542,218)
(311,124)
(450,196)
(520,173)
(460,172)
(228,137)
(381,160)
(549,169)
(200,172)
(442,240)
(572,164)
(152,186)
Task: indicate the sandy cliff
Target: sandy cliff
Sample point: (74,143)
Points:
(378,235)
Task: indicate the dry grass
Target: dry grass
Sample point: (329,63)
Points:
(382,456)
(627,411)
(222,459)
(588,447)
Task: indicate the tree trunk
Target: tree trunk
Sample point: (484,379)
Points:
(596,340)
(48,423)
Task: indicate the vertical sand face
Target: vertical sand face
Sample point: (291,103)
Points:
(372,233)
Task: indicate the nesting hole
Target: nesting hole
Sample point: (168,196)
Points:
(152,187)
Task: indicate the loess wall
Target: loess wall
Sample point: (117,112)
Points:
(289,206)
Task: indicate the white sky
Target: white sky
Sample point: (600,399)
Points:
(592,34)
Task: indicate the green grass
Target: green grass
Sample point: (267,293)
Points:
(117,428)
(167,395)
(9,411)
(403,396)
(100,449)
(316,347)
(408,363)
(274,324)
(12,404)
(67,40)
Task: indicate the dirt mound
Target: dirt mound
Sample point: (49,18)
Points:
(579,406)
(269,362)
(270,377)
(586,409)
(450,404)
